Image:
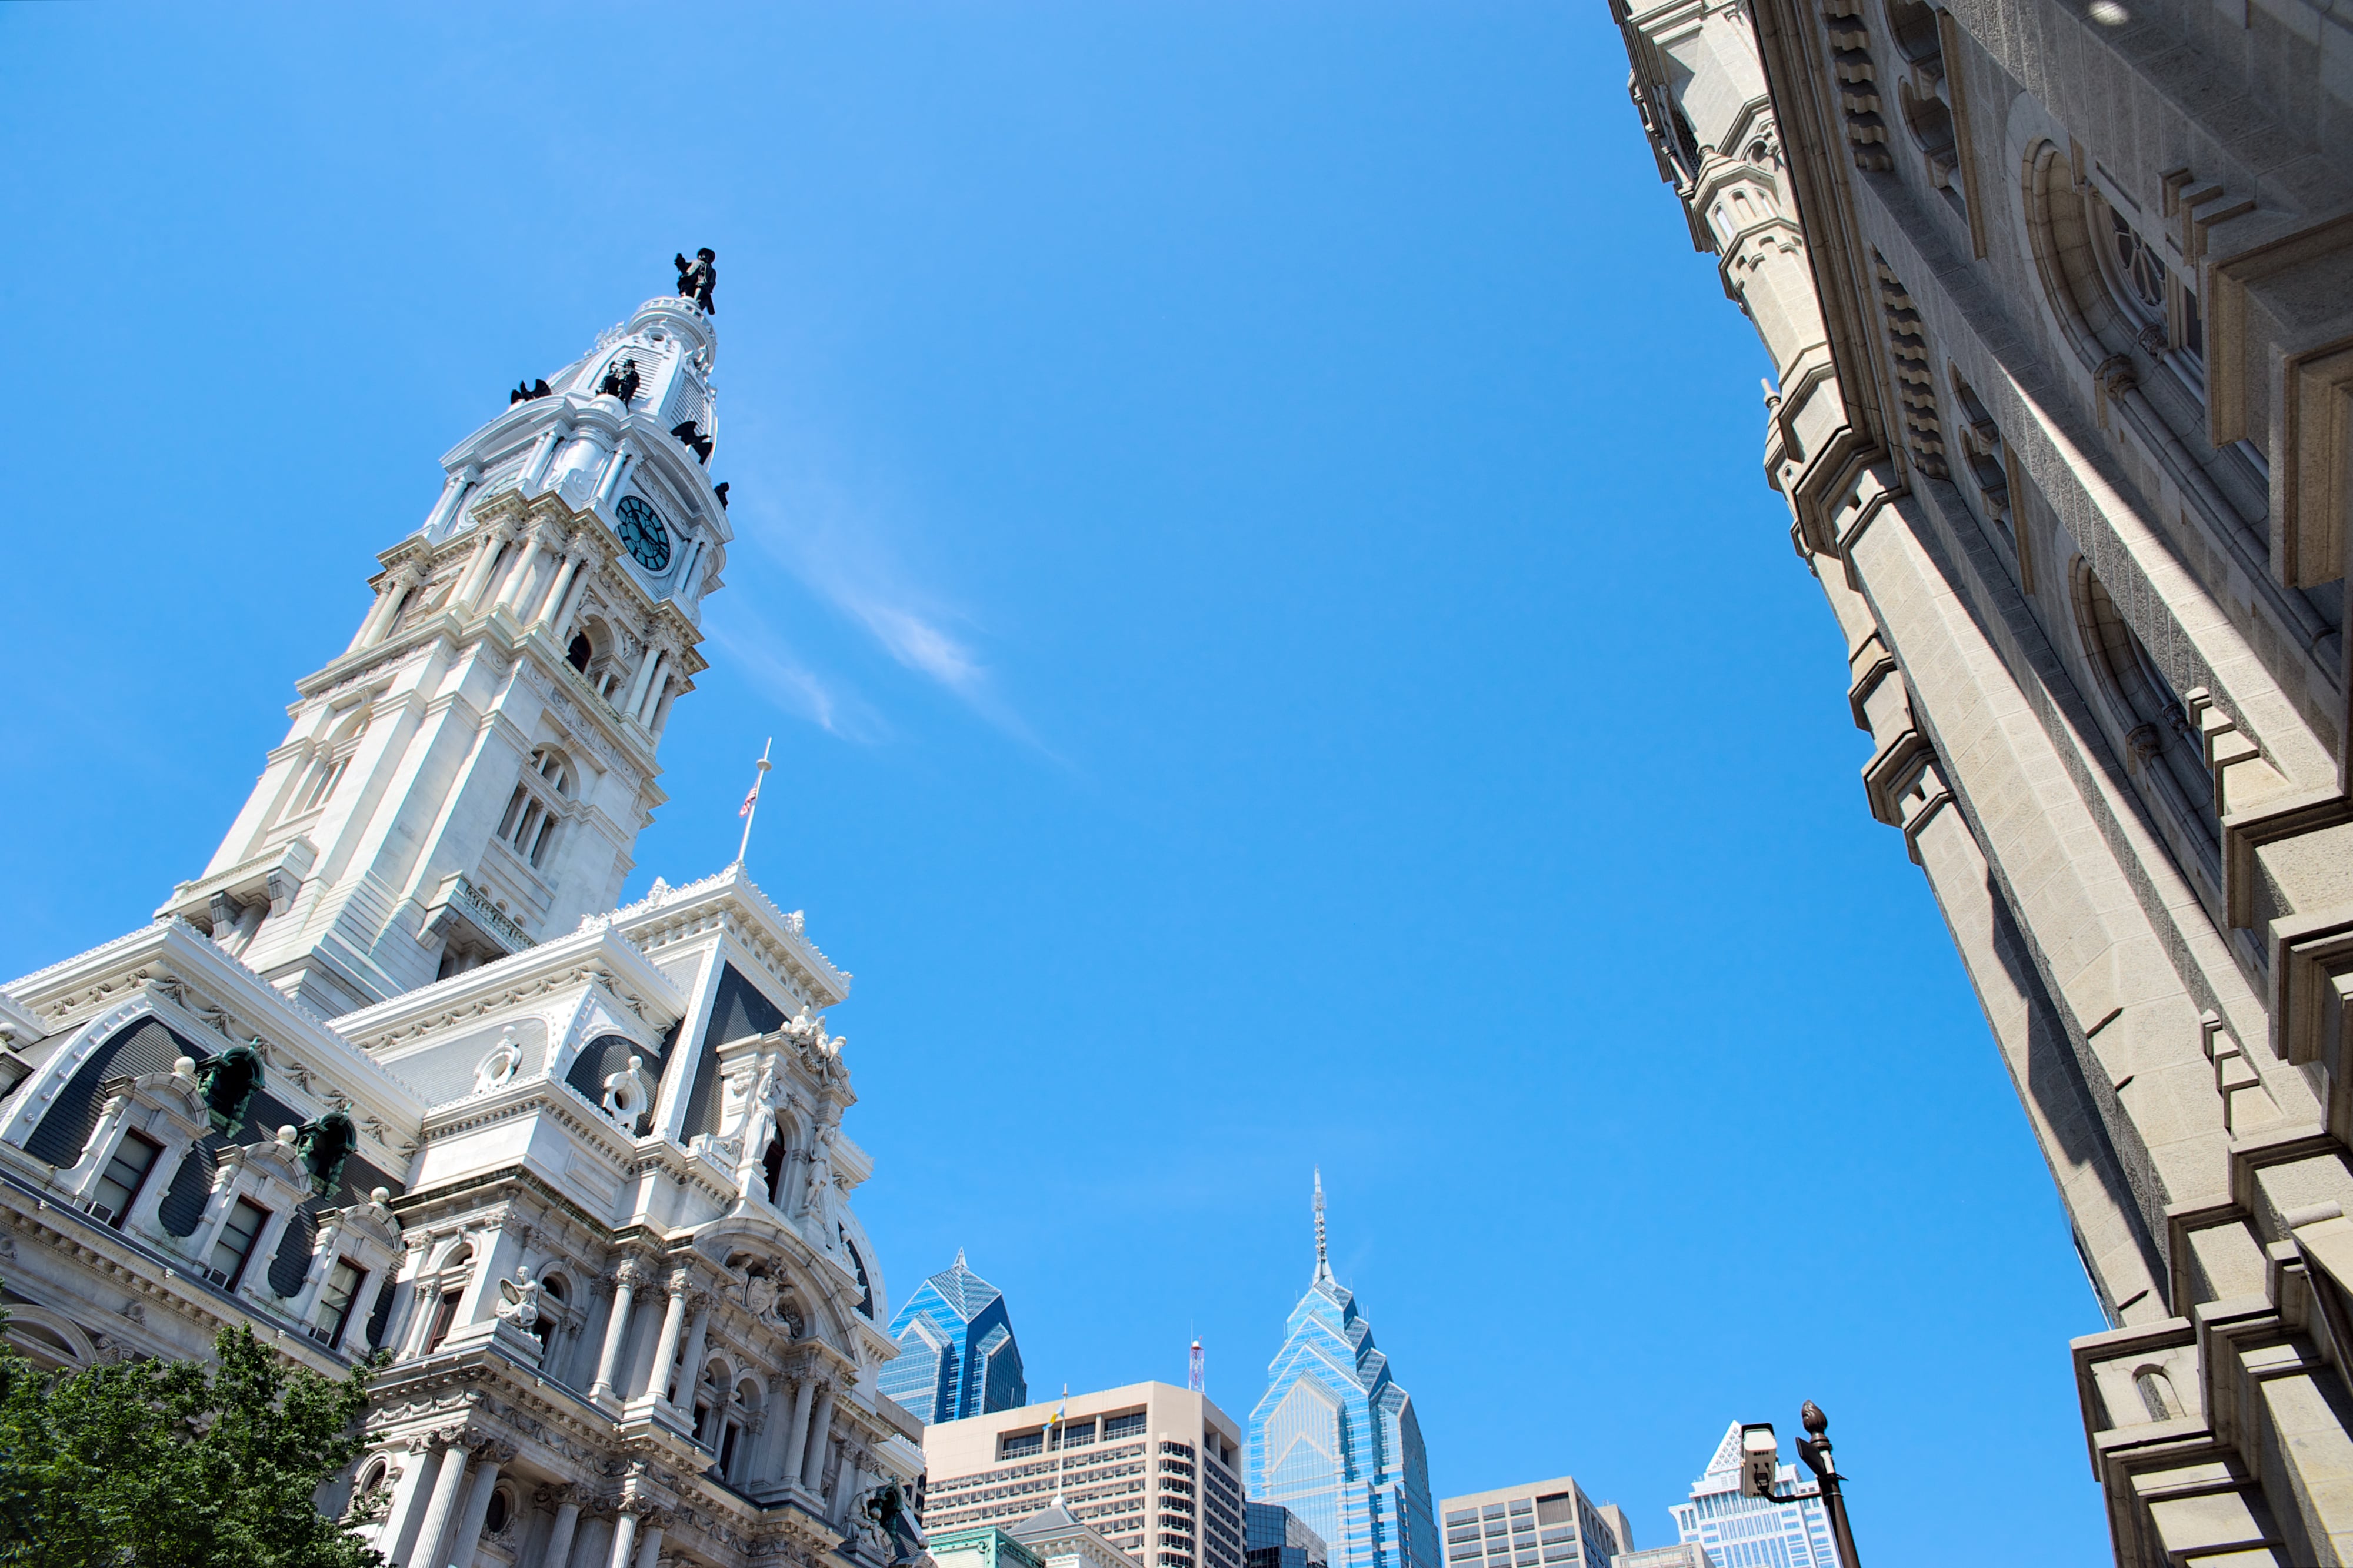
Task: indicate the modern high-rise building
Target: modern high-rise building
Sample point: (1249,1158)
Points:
(1274,1537)
(1155,1469)
(1335,1437)
(1739,1532)
(2058,296)
(393,1073)
(1544,1524)
(957,1356)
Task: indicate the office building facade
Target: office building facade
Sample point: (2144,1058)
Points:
(1739,1532)
(1153,1468)
(1274,1537)
(2059,300)
(957,1355)
(1544,1524)
(1336,1440)
(394,1074)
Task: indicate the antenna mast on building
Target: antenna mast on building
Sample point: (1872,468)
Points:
(1193,1371)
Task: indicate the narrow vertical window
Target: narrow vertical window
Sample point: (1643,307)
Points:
(235,1243)
(124,1174)
(445,1316)
(335,1303)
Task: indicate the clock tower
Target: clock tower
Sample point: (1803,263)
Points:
(469,778)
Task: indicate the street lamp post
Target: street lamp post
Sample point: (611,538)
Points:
(1760,1458)
(1815,1449)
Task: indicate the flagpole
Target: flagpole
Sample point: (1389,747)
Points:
(1061,1445)
(752,806)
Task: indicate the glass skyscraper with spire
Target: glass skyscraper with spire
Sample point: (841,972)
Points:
(1335,1439)
(957,1356)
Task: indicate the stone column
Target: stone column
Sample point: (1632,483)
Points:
(456,1461)
(558,1551)
(623,455)
(519,580)
(403,581)
(644,680)
(649,1543)
(477,1508)
(697,1336)
(453,498)
(625,1540)
(626,1281)
(674,1324)
(549,439)
(477,580)
(398,1526)
(821,1433)
(561,597)
(788,1467)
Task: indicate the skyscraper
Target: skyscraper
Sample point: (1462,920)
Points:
(1749,1533)
(1335,1439)
(1544,1524)
(957,1355)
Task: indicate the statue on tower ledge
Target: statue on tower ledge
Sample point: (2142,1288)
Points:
(621,382)
(696,278)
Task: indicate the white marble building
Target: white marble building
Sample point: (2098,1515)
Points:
(395,1072)
(2059,299)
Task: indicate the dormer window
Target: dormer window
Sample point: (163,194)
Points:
(536,808)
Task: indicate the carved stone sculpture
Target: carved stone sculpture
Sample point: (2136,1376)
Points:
(519,1299)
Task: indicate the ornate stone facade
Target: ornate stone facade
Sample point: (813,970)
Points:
(395,1073)
(2060,297)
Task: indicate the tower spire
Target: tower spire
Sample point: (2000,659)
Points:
(1323,1256)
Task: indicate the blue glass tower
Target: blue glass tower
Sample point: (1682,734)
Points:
(1335,1440)
(957,1356)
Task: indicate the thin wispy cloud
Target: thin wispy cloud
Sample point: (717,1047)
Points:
(839,548)
(779,675)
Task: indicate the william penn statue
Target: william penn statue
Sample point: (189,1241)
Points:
(697,278)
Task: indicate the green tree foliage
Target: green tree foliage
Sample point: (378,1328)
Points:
(153,1464)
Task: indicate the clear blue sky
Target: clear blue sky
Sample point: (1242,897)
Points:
(1253,554)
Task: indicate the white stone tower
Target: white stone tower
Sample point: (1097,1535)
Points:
(469,777)
(397,1076)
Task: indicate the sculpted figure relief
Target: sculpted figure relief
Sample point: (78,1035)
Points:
(519,1298)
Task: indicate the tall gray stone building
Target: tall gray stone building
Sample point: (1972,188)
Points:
(2060,298)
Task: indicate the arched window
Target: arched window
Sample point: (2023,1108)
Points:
(2156,1393)
(536,808)
(1925,95)
(734,1445)
(448,1289)
(2165,756)
(580,651)
(333,762)
(500,1512)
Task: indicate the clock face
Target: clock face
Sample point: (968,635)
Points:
(643,531)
